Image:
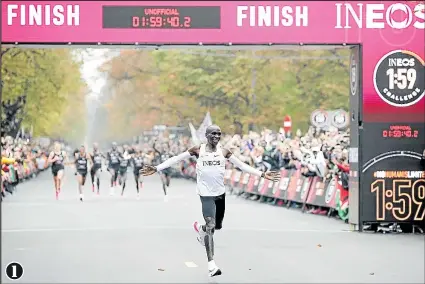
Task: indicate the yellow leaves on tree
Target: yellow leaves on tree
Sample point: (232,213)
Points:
(137,101)
(237,87)
(51,80)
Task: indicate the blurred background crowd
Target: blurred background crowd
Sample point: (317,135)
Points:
(21,159)
(317,152)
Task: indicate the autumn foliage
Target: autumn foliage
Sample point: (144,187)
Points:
(51,80)
(238,87)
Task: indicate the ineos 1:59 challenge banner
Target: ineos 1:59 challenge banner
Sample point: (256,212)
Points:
(393,180)
(391,90)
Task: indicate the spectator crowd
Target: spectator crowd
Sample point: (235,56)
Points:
(316,153)
(21,159)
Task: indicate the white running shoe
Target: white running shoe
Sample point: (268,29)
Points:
(214,272)
(138,197)
(165,198)
(81,197)
(111,191)
(201,233)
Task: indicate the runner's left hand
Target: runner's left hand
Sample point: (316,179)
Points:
(272,175)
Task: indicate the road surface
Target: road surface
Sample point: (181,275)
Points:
(118,239)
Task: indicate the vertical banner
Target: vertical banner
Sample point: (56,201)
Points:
(251,182)
(393,180)
(316,195)
(280,188)
(355,114)
(244,181)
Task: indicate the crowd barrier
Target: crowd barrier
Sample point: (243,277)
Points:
(291,188)
(16,173)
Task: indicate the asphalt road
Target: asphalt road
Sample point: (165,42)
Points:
(118,239)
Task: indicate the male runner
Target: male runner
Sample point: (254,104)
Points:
(81,160)
(165,174)
(113,158)
(138,162)
(123,166)
(97,158)
(210,168)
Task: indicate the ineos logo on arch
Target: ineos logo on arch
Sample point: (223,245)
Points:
(379,16)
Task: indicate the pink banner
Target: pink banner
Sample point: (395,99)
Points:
(379,26)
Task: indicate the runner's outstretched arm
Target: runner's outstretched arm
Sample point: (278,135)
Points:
(173,160)
(270,175)
(149,170)
(244,167)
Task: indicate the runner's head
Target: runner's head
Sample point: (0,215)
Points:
(114,146)
(95,146)
(82,149)
(213,134)
(57,147)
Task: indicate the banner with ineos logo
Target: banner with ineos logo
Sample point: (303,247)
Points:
(399,78)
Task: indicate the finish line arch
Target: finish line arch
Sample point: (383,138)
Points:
(387,105)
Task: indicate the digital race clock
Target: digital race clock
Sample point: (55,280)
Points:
(400,131)
(161,17)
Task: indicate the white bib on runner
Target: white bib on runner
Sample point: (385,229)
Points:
(210,170)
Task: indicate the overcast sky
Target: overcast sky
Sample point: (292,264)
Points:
(92,60)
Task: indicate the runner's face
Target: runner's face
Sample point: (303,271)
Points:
(57,147)
(214,136)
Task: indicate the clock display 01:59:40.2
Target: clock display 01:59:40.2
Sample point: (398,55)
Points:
(161,17)
(161,22)
(400,133)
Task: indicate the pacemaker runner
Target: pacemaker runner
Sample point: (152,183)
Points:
(113,158)
(210,169)
(81,166)
(138,162)
(97,158)
(58,160)
(123,167)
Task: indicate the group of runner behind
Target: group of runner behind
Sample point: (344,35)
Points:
(116,161)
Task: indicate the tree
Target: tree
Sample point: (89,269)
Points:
(243,87)
(136,100)
(237,87)
(51,80)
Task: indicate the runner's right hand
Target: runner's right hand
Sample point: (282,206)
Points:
(147,170)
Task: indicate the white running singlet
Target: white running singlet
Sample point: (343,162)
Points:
(210,168)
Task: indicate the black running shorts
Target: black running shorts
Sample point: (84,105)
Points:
(56,169)
(82,173)
(114,167)
(122,171)
(214,206)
